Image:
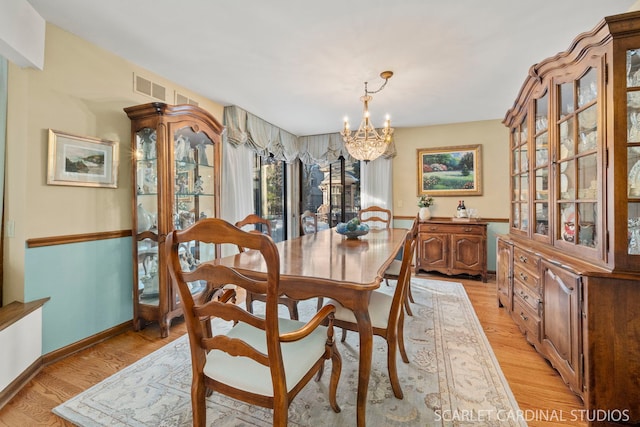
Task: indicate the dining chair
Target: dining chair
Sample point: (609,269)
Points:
(308,222)
(263,226)
(323,213)
(393,271)
(260,360)
(387,315)
(375,214)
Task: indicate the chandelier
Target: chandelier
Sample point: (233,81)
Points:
(367,143)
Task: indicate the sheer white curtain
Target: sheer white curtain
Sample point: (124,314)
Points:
(236,200)
(376,187)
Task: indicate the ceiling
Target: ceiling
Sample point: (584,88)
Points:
(301,65)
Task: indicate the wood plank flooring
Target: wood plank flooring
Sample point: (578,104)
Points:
(541,394)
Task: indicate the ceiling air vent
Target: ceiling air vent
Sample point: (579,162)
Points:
(149,88)
(182,99)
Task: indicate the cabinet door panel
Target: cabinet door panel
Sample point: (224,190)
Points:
(467,252)
(503,274)
(562,323)
(435,250)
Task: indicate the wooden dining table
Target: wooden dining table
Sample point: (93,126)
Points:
(326,264)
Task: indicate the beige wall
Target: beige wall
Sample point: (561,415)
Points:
(82,90)
(491,134)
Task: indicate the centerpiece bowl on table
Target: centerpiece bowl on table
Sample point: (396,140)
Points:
(352,229)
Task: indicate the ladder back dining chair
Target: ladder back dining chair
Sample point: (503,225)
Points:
(308,223)
(393,273)
(387,314)
(260,360)
(374,216)
(263,226)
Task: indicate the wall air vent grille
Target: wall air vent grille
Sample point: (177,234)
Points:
(147,87)
(182,99)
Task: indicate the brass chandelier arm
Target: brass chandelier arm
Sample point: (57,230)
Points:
(386,75)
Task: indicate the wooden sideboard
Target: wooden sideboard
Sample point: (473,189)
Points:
(452,247)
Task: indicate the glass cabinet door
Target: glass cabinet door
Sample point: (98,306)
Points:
(633,151)
(541,169)
(520,178)
(194,194)
(577,154)
(146,167)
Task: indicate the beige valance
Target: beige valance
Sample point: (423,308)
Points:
(268,140)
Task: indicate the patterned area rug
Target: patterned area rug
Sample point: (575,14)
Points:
(453,379)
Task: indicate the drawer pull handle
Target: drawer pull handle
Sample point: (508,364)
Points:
(525,318)
(468,229)
(523,258)
(523,295)
(433,228)
(523,276)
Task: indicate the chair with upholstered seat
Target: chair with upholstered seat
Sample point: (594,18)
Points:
(374,216)
(260,360)
(308,222)
(387,314)
(393,273)
(263,226)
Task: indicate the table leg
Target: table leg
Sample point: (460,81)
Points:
(366,349)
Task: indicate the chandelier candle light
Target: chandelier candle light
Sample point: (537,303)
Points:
(366,143)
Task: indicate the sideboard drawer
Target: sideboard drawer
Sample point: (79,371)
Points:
(527,260)
(452,229)
(529,322)
(527,278)
(527,295)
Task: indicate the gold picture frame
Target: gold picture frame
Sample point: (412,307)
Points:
(82,161)
(450,171)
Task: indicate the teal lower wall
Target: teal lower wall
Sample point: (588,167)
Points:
(89,285)
(493,230)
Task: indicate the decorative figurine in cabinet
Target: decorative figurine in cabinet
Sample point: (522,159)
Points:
(176,181)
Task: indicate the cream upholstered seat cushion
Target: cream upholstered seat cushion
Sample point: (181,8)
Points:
(246,374)
(379,308)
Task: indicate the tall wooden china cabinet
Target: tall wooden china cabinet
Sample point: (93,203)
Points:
(569,269)
(176,181)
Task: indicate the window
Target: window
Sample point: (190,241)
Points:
(269,184)
(332,191)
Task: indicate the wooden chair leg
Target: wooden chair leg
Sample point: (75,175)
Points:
(407,307)
(336,369)
(198,404)
(403,351)
(280,412)
(320,372)
(293,309)
(409,294)
(392,340)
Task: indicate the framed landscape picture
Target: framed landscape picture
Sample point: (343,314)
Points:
(450,171)
(82,161)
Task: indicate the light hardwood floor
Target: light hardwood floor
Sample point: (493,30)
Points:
(539,390)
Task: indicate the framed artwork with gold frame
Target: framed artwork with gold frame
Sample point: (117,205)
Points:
(450,171)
